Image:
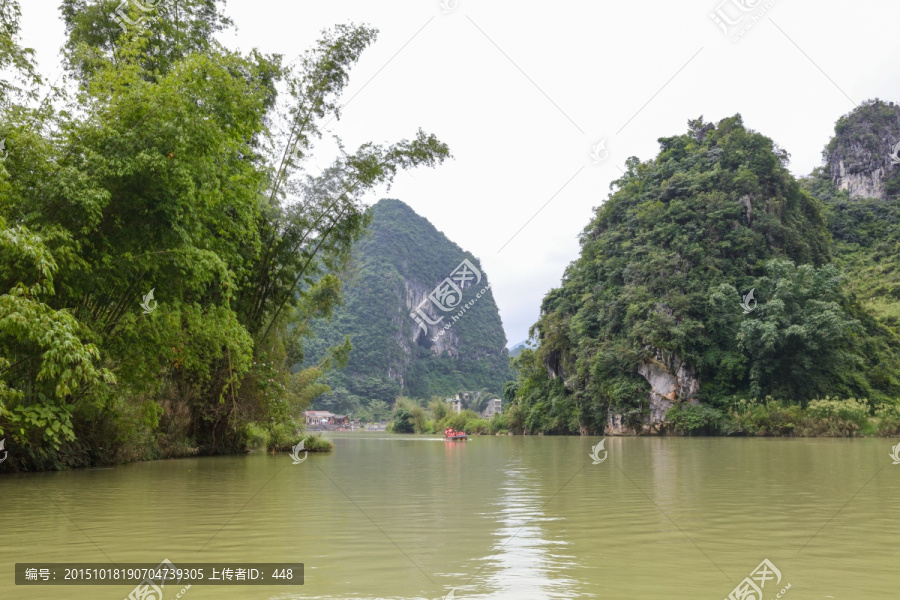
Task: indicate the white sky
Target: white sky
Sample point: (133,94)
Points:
(522,90)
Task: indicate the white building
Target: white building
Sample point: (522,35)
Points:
(494,406)
(319,417)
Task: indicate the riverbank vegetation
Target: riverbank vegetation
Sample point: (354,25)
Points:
(163,248)
(827,417)
(410,416)
(284,439)
(665,266)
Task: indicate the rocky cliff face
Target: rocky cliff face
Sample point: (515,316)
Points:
(859,157)
(419,312)
(429,336)
(671,381)
(648,316)
(862,179)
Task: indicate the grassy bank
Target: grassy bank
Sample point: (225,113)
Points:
(828,417)
(284,440)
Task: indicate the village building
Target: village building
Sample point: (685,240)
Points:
(324,417)
(493,407)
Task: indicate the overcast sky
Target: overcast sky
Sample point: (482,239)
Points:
(522,92)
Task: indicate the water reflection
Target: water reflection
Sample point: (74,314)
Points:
(410,517)
(526,561)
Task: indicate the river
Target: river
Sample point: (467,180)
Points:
(407,517)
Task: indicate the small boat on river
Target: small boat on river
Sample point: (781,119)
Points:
(450,434)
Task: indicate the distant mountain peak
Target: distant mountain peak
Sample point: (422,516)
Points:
(860,156)
(420,314)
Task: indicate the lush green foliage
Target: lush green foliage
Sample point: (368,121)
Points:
(411,417)
(283,439)
(866,231)
(402,250)
(803,341)
(16,62)
(316,443)
(823,417)
(404,419)
(691,419)
(887,418)
(662,272)
(499,423)
(175,167)
(467,420)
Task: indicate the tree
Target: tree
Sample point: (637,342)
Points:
(663,266)
(801,341)
(438,408)
(402,421)
(380,409)
(96,32)
(167,172)
(44,359)
(14,58)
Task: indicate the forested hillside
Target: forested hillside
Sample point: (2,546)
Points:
(648,330)
(860,189)
(162,248)
(395,267)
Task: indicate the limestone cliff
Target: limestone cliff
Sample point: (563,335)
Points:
(671,381)
(649,316)
(420,314)
(859,157)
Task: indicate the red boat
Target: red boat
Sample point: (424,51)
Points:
(449,434)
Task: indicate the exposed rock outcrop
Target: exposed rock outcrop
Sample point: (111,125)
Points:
(615,425)
(448,343)
(671,381)
(419,312)
(858,159)
(859,182)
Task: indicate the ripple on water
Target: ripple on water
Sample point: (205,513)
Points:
(496,517)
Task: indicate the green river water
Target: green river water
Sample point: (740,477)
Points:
(496,517)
